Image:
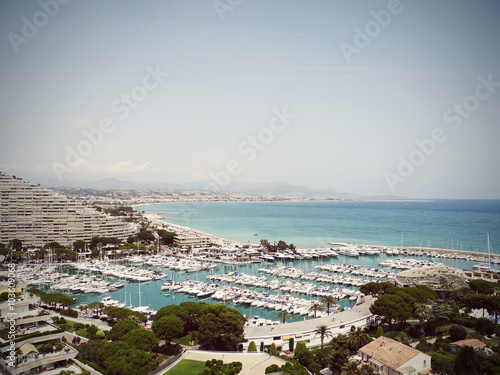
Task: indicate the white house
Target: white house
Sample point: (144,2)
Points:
(390,357)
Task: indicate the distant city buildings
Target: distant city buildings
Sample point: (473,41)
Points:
(37,216)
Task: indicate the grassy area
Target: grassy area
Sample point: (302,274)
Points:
(186,339)
(69,327)
(187,366)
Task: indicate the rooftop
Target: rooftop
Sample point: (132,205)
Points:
(475,343)
(389,352)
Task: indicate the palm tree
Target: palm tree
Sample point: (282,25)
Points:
(357,339)
(283,315)
(328,300)
(350,368)
(422,312)
(316,307)
(447,287)
(323,331)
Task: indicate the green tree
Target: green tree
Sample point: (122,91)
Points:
(376,289)
(457,333)
(439,315)
(467,362)
(482,286)
(130,361)
(358,339)
(16,244)
(394,308)
(166,237)
(79,245)
(194,311)
(266,245)
(146,235)
(273,350)
(141,339)
(340,353)
(92,329)
(177,310)
(252,347)
(221,327)
(380,332)
(316,307)
(422,313)
(305,357)
(168,327)
(493,306)
(284,315)
(350,368)
(328,300)
(322,331)
(446,287)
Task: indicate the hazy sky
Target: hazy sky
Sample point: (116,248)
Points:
(366,97)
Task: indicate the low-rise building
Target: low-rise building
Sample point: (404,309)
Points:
(185,240)
(390,357)
(473,343)
(24,329)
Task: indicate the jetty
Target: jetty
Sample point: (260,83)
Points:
(421,250)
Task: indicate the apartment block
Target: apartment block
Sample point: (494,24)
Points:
(38,216)
(24,330)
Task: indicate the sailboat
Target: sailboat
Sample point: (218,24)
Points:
(143,309)
(484,268)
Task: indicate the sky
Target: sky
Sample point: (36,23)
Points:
(364,97)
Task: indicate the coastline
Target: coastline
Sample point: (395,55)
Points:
(156,219)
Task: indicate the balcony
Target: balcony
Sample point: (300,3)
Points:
(41,360)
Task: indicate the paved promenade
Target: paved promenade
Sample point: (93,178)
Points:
(339,323)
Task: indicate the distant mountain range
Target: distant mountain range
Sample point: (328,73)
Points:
(275,189)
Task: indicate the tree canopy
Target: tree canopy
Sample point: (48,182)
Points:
(392,307)
(121,328)
(221,327)
(168,327)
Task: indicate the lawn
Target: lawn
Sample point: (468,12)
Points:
(186,339)
(187,366)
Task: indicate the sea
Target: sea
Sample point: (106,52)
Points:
(447,224)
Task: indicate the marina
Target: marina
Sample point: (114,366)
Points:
(257,287)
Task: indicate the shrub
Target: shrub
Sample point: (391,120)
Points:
(69,312)
(100,334)
(273,350)
(380,332)
(457,333)
(424,346)
(272,368)
(78,326)
(92,330)
(252,347)
(485,326)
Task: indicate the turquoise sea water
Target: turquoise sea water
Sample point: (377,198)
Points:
(453,224)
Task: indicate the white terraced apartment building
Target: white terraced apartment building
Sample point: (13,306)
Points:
(37,216)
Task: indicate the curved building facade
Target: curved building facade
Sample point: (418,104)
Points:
(38,216)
